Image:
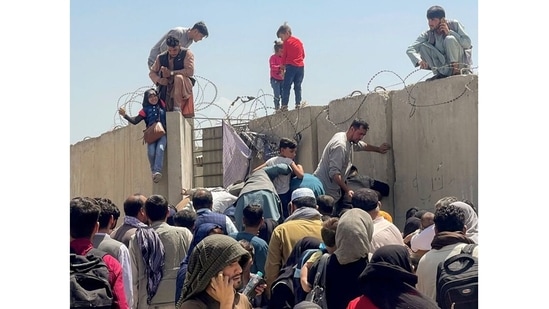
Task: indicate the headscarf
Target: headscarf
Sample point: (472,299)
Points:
(471,220)
(208,258)
(152,251)
(388,281)
(411,225)
(354,236)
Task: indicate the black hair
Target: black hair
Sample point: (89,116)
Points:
(358,123)
(133,205)
(201,27)
(435,12)
(325,204)
(252,215)
(287,143)
(411,212)
(449,218)
(146,95)
(365,199)
(172,41)
(202,198)
(84,213)
(185,218)
(108,209)
(156,207)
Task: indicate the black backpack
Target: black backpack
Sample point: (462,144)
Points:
(457,281)
(90,287)
(286,290)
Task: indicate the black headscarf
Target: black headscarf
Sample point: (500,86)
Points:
(389,283)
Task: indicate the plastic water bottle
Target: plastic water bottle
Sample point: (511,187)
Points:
(249,290)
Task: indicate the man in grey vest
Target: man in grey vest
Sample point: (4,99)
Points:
(445,48)
(134,211)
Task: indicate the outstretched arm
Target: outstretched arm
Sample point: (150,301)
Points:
(133,120)
(362,146)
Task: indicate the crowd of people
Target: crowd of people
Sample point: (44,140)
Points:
(281,221)
(297,234)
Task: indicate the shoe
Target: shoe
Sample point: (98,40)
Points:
(438,76)
(156,177)
(303,104)
(283,108)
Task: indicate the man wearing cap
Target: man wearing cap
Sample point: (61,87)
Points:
(304,220)
(445,48)
(172,72)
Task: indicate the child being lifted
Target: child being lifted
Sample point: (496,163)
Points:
(287,151)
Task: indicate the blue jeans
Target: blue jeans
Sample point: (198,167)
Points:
(277,91)
(155,152)
(293,75)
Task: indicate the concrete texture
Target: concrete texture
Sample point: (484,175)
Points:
(432,127)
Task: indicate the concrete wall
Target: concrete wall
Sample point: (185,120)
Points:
(432,127)
(435,142)
(115,164)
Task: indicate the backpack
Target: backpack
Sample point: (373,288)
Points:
(300,294)
(457,280)
(318,293)
(89,281)
(286,290)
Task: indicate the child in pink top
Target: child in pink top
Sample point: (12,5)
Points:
(277,73)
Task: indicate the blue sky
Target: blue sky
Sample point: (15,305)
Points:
(346,44)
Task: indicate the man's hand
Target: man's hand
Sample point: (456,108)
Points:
(423,65)
(165,71)
(384,147)
(260,288)
(221,289)
(443,27)
(122,111)
(350,193)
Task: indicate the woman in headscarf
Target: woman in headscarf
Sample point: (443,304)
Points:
(215,274)
(471,220)
(387,282)
(353,242)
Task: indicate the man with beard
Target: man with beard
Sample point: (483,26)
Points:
(335,163)
(445,48)
(172,72)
